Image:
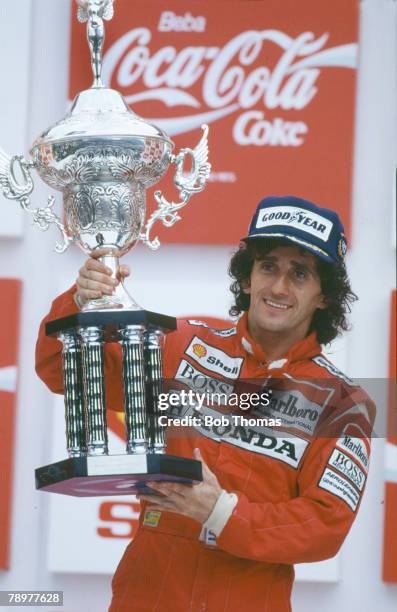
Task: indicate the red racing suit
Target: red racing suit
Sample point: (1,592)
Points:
(298,489)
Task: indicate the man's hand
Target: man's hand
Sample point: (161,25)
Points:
(196,502)
(95,279)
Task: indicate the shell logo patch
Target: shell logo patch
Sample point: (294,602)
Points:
(199,350)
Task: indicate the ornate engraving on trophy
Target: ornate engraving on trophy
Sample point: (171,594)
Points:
(105,208)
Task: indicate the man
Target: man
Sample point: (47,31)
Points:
(270,497)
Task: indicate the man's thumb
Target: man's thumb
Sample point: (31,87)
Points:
(197,454)
(206,470)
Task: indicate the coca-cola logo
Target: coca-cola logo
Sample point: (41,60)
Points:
(233,79)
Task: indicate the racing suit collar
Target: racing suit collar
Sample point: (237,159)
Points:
(304,349)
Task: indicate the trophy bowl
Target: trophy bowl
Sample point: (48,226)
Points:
(103,157)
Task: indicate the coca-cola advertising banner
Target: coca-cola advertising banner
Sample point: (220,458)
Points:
(274,80)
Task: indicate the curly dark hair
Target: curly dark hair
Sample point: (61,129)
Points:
(335,286)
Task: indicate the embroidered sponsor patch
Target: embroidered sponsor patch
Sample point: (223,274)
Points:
(340,487)
(213,359)
(289,450)
(254,438)
(324,363)
(349,468)
(223,333)
(151,518)
(299,218)
(199,349)
(342,247)
(200,382)
(294,410)
(357,448)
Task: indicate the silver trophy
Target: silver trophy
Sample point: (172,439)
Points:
(103,157)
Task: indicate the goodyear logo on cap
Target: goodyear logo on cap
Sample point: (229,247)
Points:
(299,218)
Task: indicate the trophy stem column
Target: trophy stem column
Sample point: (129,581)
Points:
(94,390)
(74,394)
(132,342)
(154,372)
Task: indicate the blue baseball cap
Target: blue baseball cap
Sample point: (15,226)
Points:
(315,229)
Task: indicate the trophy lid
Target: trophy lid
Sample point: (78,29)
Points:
(100,112)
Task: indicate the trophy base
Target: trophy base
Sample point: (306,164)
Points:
(115,474)
(111,321)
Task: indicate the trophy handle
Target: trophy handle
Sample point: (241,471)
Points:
(15,188)
(188,183)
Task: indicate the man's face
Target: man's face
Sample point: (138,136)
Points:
(285,291)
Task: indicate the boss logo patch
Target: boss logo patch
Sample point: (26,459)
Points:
(348,468)
(200,382)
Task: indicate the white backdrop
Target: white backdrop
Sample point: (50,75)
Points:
(34,69)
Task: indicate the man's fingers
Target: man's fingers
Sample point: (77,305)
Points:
(86,295)
(92,265)
(96,253)
(169,488)
(99,277)
(98,266)
(91,285)
(124,270)
(95,278)
(159,503)
(154,499)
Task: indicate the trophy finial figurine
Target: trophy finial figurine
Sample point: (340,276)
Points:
(94,11)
